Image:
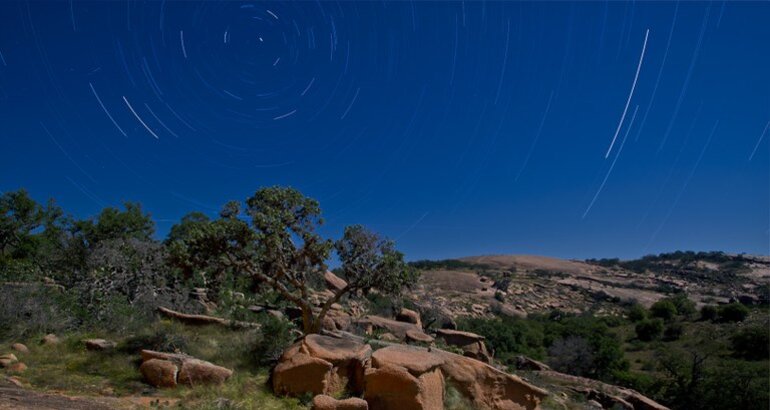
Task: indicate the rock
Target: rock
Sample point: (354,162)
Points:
(334,282)
(15,381)
(159,373)
(8,359)
(99,344)
(471,343)
(181,369)
(337,320)
(602,392)
(195,372)
(409,316)
(487,387)
(50,339)
(198,320)
(324,402)
(526,363)
(17,367)
(395,387)
(275,313)
(20,348)
(398,329)
(483,385)
(321,365)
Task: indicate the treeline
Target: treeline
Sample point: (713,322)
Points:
(109,271)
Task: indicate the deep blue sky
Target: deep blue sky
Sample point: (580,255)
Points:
(455,128)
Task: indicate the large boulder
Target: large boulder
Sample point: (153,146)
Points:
(50,339)
(195,372)
(487,387)
(483,385)
(162,369)
(402,330)
(334,282)
(321,365)
(404,378)
(471,343)
(159,373)
(409,316)
(324,402)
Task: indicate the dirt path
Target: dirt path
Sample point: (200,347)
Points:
(13,398)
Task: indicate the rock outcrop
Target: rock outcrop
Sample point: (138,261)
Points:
(8,359)
(471,343)
(50,339)
(321,365)
(324,402)
(483,385)
(169,369)
(402,330)
(405,379)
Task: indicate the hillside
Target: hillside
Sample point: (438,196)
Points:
(521,284)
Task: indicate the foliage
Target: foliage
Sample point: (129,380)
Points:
(273,338)
(709,312)
(733,312)
(636,312)
(751,343)
(649,329)
(664,309)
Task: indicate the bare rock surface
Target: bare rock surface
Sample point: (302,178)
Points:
(162,369)
(324,402)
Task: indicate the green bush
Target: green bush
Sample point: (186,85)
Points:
(673,332)
(649,329)
(734,312)
(709,312)
(751,343)
(274,337)
(636,313)
(664,309)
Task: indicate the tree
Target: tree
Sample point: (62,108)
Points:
(734,312)
(20,215)
(664,309)
(112,223)
(637,312)
(649,329)
(281,249)
(709,312)
(751,343)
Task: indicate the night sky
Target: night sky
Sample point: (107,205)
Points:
(576,130)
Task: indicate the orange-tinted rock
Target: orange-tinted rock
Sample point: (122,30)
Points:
(8,359)
(159,373)
(471,343)
(50,339)
(487,387)
(324,402)
(402,330)
(20,348)
(17,367)
(334,282)
(394,387)
(409,316)
(321,365)
(99,344)
(195,372)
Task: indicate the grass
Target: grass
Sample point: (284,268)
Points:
(68,368)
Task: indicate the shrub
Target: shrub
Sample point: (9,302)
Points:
(636,312)
(649,329)
(572,355)
(709,312)
(274,337)
(163,338)
(664,309)
(751,343)
(734,312)
(673,332)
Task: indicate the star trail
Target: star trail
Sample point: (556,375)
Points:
(459,128)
